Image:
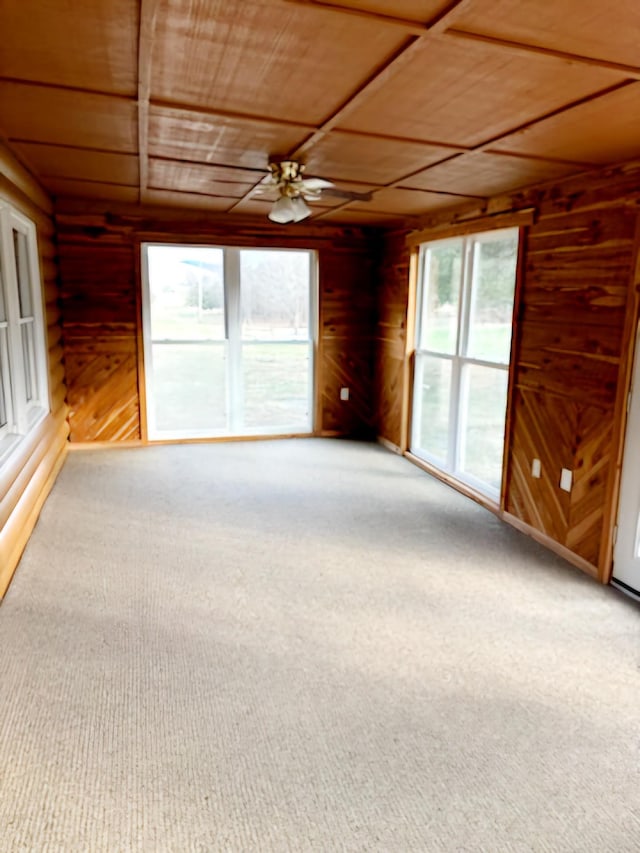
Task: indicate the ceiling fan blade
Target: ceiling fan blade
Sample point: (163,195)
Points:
(267,191)
(348,195)
(314,185)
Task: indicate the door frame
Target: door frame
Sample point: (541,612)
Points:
(144,334)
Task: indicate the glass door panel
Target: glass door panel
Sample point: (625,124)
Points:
(483,404)
(276,339)
(188,341)
(441,297)
(494,267)
(463,344)
(431,425)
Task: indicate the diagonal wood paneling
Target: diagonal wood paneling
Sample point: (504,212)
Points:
(100,340)
(102,377)
(572,323)
(592,465)
(562,434)
(545,427)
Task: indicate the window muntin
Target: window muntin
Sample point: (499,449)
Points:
(463,342)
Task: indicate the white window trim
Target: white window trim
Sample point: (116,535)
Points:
(23,415)
(454,462)
(231,266)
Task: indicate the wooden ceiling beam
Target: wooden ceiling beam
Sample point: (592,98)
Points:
(378,78)
(205,112)
(441,26)
(382,74)
(487,144)
(148,14)
(64,87)
(405,24)
(446,17)
(521,48)
(539,157)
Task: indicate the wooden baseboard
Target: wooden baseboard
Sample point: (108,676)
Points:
(218,439)
(92,445)
(389,445)
(514,521)
(15,534)
(552,545)
(458,485)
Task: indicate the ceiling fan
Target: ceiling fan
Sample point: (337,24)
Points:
(292,191)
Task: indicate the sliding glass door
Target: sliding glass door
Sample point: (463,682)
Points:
(228,339)
(463,344)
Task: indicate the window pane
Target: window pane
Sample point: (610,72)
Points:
(28,357)
(4,379)
(274,295)
(186,293)
(3,406)
(494,267)
(441,296)
(276,385)
(189,386)
(434,390)
(188,349)
(3,310)
(22,273)
(275,335)
(484,401)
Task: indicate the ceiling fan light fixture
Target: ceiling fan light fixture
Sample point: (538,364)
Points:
(300,208)
(283,210)
(289,209)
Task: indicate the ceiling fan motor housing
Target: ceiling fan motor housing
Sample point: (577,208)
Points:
(287,174)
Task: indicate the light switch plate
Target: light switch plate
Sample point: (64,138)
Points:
(344,393)
(566,479)
(536,469)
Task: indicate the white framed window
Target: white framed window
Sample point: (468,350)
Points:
(462,350)
(24,393)
(229,338)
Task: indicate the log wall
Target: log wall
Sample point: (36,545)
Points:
(572,352)
(99,263)
(28,474)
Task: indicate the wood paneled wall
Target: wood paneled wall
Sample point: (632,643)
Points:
(100,337)
(575,328)
(568,367)
(346,345)
(27,476)
(99,263)
(392,337)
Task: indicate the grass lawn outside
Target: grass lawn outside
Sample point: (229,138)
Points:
(191,393)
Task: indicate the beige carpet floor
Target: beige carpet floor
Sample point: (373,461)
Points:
(306,646)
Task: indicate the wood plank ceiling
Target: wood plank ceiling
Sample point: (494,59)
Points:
(425,103)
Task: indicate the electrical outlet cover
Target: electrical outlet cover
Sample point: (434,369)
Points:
(566,478)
